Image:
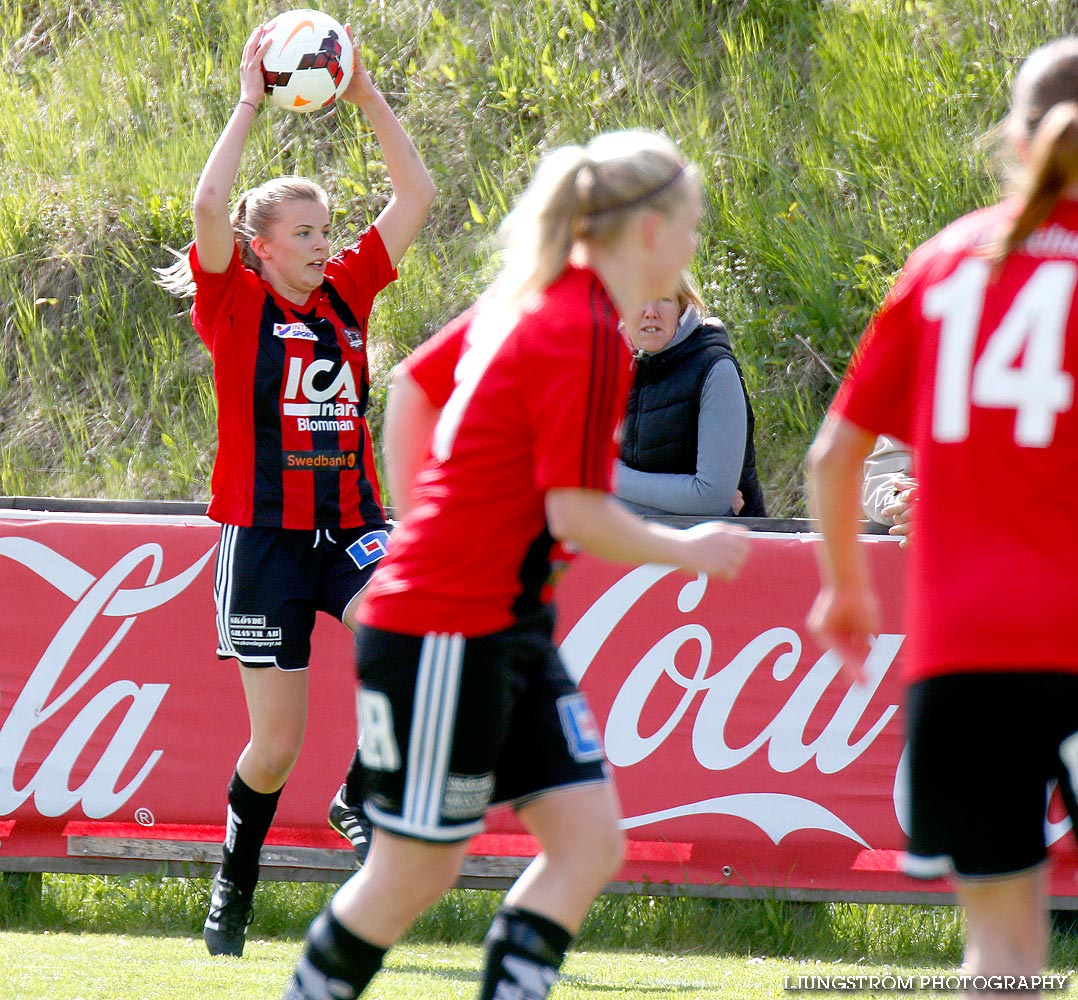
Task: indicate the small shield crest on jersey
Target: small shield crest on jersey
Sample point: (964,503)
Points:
(354,337)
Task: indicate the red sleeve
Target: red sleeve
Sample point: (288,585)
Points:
(877,392)
(219,296)
(361,271)
(433,364)
(575,392)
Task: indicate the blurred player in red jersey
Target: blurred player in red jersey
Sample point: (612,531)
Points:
(972,360)
(294,483)
(465,701)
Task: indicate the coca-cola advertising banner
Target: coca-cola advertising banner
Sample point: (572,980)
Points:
(743,758)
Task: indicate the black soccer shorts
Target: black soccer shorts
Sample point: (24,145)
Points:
(270,582)
(984,749)
(451,725)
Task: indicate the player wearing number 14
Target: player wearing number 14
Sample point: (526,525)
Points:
(972,359)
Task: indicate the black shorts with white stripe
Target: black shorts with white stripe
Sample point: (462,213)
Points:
(452,725)
(270,582)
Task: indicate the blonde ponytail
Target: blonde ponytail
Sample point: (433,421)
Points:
(585,194)
(1053,165)
(538,234)
(1042,123)
(176,278)
(243,232)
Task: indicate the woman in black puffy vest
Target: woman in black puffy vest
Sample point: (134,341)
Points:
(687,443)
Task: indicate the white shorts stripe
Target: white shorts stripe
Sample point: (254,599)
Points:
(435,711)
(447,717)
(223,584)
(222,587)
(415,740)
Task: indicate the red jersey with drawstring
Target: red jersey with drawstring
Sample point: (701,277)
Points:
(527,406)
(293,448)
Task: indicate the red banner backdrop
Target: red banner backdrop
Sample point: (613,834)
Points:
(742,757)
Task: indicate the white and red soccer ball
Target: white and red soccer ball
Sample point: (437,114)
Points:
(309,61)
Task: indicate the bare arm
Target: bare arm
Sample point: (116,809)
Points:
(214,239)
(413,190)
(845,615)
(597,523)
(406,432)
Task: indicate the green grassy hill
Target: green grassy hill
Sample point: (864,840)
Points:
(834,135)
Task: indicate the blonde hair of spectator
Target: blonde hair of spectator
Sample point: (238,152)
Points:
(689,295)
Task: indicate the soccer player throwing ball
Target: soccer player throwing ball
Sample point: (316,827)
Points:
(294,485)
(972,360)
(465,701)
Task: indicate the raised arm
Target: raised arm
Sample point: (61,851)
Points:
(413,190)
(214,239)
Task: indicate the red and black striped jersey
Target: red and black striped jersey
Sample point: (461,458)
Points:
(293,448)
(529,403)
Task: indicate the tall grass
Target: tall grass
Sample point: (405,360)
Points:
(834,135)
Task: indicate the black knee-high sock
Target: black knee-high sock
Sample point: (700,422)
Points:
(250,814)
(353,783)
(524,952)
(335,964)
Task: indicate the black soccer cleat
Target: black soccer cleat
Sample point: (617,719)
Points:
(352,824)
(225,930)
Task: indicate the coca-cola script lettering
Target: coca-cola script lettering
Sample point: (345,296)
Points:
(720,685)
(101,793)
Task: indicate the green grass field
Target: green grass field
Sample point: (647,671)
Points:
(834,135)
(138,938)
(740,950)
(117,967)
